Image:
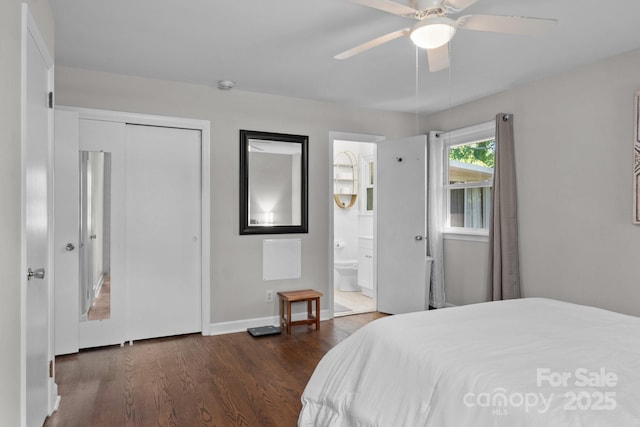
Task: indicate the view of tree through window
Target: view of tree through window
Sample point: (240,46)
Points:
(470,183)
(479,153)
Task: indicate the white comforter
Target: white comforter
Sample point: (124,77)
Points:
(526,362)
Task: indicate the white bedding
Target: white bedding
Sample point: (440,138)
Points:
(525,362)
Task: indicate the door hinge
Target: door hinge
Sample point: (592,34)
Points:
(50,368)
(50,99)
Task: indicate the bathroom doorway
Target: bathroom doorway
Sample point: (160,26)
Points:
(353,213)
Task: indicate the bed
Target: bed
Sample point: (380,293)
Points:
(525,362)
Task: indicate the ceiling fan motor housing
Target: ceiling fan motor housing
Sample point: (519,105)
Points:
(426,4)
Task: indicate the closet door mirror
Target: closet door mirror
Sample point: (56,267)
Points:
(95,226)
(273,183)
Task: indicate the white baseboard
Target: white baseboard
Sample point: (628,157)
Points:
(98,287)
(448,304)
(242,325)
(367,292)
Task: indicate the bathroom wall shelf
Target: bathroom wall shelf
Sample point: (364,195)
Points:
(345,179)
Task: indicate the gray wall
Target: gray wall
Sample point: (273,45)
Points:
(10,212)
(42,14)
(574,135)
(237,287)
(465,271)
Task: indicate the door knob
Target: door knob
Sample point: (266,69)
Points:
(38,273)
(419,237)
(69,247)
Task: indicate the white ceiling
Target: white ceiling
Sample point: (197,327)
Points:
(286,47)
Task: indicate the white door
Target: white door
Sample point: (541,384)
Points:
(108,137)
(36,155)
(402,223)
(163,231)
(66,244)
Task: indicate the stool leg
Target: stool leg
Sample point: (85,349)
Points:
(309,311)
(288,317)
(317,312)
(281,313)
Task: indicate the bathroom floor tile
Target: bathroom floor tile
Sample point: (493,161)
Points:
(353,302)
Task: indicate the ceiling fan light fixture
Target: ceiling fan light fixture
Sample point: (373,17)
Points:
(433,32)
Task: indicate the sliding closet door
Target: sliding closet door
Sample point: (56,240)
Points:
(162,231)
(108,138)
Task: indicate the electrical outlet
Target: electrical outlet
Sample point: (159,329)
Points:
(268,296)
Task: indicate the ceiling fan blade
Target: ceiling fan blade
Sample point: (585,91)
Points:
(507,24)
(388,6)
(454,6)
(438,58)
(372,43)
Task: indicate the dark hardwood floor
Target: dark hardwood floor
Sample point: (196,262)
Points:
(191,380)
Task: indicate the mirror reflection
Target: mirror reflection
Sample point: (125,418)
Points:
(273,183)
(95,221)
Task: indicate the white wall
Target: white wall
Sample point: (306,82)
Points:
(573,136)
(237,288)
(10,212)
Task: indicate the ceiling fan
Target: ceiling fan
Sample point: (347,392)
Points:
(435,29)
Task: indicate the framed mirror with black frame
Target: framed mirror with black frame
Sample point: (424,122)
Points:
(273,183)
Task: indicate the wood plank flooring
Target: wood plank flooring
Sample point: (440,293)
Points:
(191,380)
(101,309)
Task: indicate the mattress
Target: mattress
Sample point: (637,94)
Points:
(525,362)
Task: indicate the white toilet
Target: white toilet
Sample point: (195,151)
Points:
(346,274)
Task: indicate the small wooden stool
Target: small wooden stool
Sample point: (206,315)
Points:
(308,295)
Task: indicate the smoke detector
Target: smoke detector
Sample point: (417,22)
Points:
(226,84)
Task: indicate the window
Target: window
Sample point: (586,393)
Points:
(368,168)
(470,155)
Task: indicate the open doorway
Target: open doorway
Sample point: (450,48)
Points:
(354,262)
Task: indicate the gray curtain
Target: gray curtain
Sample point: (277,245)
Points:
(504,264)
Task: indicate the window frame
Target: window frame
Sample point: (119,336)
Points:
(467,135)
(366,176)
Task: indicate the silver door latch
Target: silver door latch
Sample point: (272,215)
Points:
(38,273)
